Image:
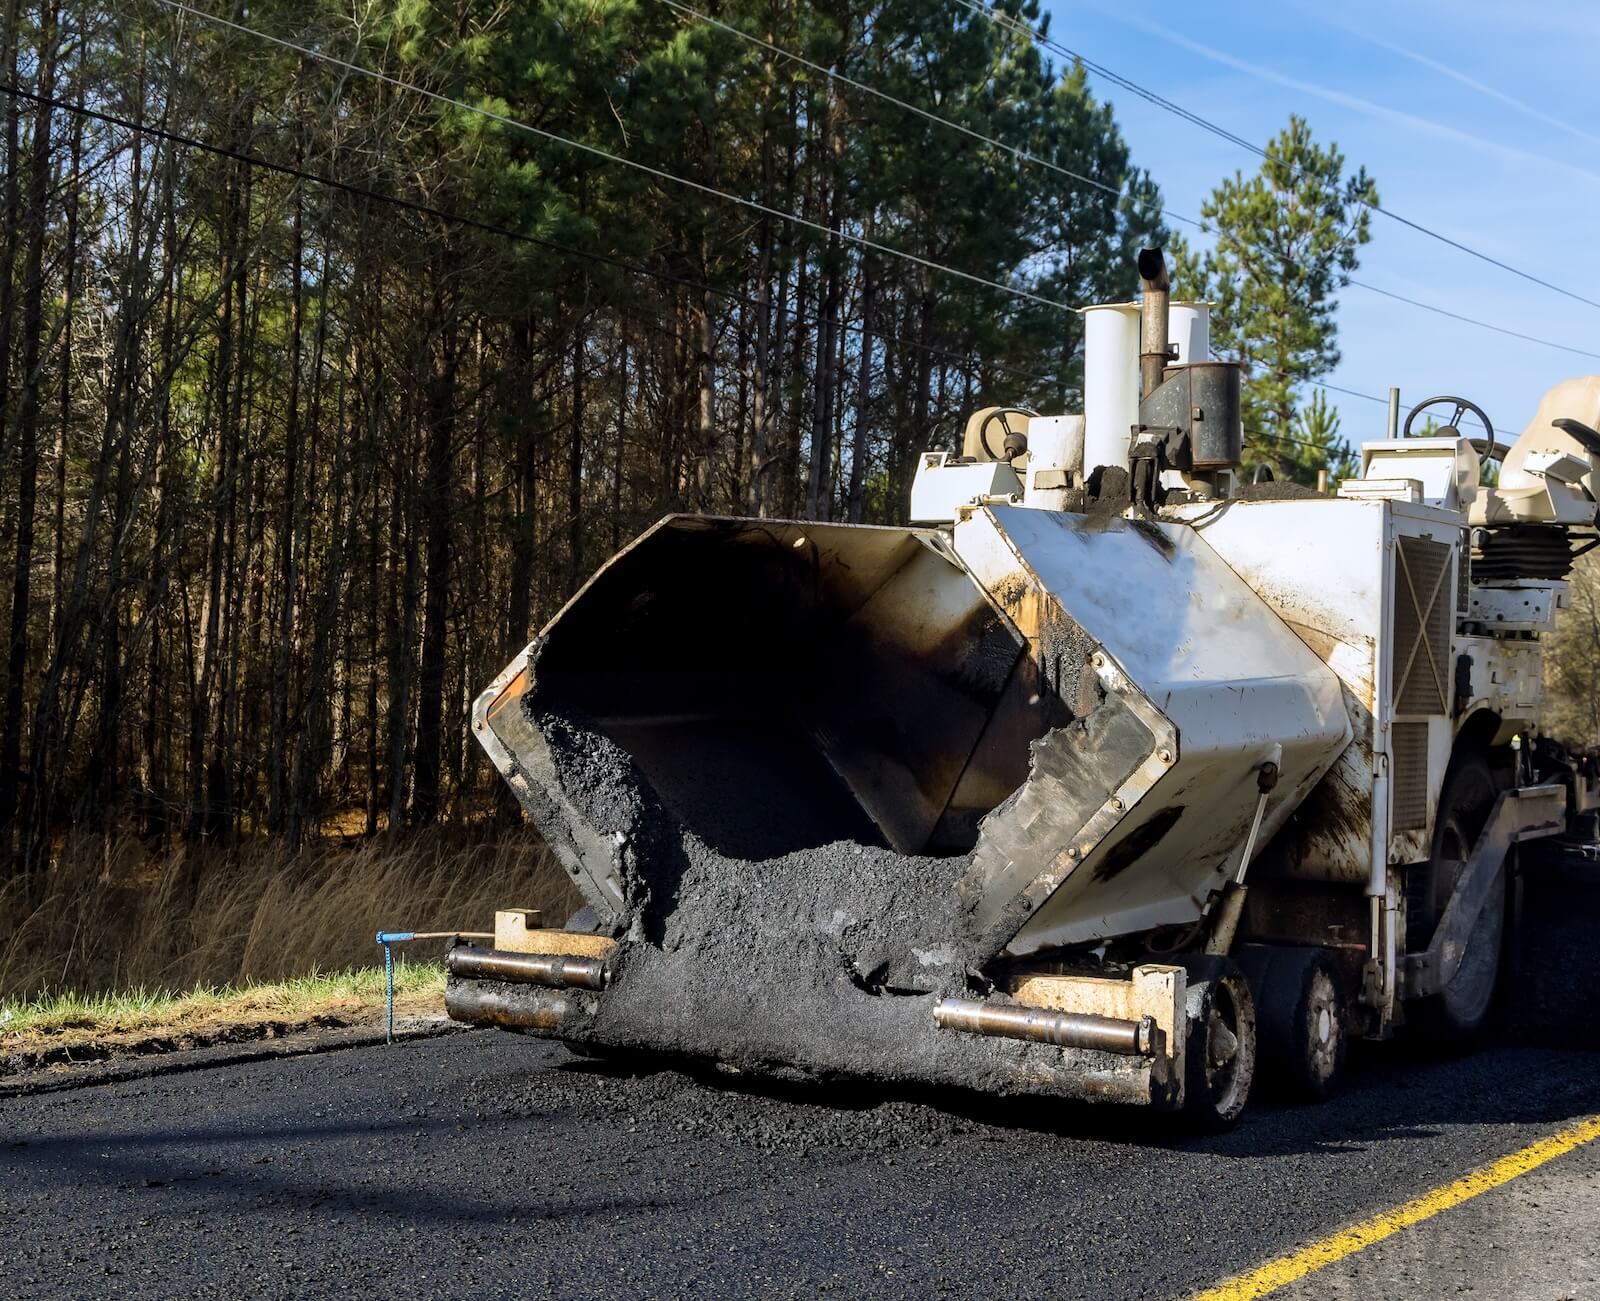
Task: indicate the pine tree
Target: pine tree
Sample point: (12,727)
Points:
(1318,442)
(1286,242)
(291,464)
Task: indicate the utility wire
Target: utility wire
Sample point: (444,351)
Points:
(1027,157)
(1456,316)
(1016,25)
(346,187)
(1022,155)
(662,327)
(1003,19)
(472,223)
(974,5)
(622,264)
(862,241)
(595,151)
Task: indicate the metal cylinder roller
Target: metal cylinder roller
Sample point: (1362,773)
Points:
(533,1011)
(558,971)
(1064,1029)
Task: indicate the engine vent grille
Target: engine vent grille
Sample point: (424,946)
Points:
(1422,617)
(1409,798)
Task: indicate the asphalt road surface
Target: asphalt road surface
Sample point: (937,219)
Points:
(485,1164)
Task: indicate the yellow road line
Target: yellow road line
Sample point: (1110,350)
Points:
(1297,1264)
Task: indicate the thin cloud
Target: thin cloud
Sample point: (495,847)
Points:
(1483,88)
(1353,102)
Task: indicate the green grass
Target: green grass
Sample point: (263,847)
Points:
(138,1010)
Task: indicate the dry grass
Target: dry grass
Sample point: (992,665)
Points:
(69,1027)
(114,917)
(132,1011)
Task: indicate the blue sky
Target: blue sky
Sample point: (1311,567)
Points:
(1475,117)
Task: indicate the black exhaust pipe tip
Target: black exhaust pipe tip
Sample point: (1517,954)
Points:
(1153,268)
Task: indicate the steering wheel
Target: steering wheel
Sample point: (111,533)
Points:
(1485,446)
(999,415)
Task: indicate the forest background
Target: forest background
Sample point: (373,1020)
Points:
(337,350)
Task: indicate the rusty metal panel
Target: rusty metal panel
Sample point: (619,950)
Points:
(1321,565)
(913,680)
(1133,812)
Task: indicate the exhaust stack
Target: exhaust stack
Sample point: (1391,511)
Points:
(1157,290)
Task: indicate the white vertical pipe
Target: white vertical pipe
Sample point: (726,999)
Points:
(1110,383)
(1189,326)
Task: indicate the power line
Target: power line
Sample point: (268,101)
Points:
(1004,19)
(862,241)
(833,74)
(472,223)
(594,150)
(1016,25)
(1025,156)
(179,6)
(1456,316)
(662,327)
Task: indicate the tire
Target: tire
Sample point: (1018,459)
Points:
(1458,1013)
(1302,1020)
(1219,1059)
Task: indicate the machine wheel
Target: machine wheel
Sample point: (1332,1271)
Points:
(1460,1011)
(1301,1019)
(1220,1052)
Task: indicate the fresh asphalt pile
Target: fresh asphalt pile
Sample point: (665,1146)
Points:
(818,961)
(842,908)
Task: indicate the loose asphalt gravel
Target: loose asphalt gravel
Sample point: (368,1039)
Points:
(487,1164)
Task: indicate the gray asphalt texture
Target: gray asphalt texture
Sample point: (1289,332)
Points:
(489,1164)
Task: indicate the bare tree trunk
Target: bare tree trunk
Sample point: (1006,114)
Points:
(64,424)
(575,439)
(618,452)
(287,537)
(27,430)
(10,219)
(706,404)
(769,344)
(203,706)
(441,413)
(859,448)
(524,487)
(402,640)
(819,485)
